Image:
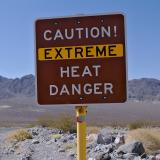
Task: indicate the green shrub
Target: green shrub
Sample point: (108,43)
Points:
(19,135)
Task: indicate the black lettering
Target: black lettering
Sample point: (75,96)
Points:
(58,53)
(88,50)
(100,52)
(78,50)
(46,53)
(110,49)
(68,51)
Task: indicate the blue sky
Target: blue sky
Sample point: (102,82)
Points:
(17,31)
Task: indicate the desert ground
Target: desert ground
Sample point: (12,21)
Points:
(24,111)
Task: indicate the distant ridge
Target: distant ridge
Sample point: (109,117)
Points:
(144,89)
(18,87)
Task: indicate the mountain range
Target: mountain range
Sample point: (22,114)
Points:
(144,89)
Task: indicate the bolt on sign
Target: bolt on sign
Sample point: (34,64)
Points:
(81,60)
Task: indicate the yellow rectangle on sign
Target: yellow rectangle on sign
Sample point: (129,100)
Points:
(81,52)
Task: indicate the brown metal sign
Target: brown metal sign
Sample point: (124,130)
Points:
(81,60)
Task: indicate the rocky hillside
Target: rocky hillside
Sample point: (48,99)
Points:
(145,89)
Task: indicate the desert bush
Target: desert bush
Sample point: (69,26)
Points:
(46,121)
(19,135)
(149,136)
(139,124)
(65,123)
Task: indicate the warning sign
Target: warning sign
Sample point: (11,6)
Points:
(81,60)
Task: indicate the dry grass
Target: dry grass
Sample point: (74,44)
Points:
(19,135)
(149,136)
(139,124)
(93,130)
(136,125)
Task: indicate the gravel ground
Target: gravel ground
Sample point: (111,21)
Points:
(52,144)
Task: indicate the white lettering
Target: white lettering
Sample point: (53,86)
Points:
(53,90)
(74,71)
(96,67)
(71,34)
(87,88)
(94,32)
(64,90)
(97,88)
(58,34)
(76,89)
(46,35)
(105,31)
(86,72)
(108,88)
(79,32)
(63,71)
(86,32)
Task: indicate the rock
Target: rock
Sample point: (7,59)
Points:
(129,156)
(61,150)
(34,141)
(100,139)
(71,137)
(100,146)
(109,148)
(132,147)
(92,138)
(106,157)
(97,148)
(103,148)
(158,157)
(49,142)
(98,156)
(71,156)
(151,158)
(119,140)
(91,158)
(102,156)
(65,140)
(108,139)
(26,156)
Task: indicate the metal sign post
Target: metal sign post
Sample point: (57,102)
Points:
(81,112)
